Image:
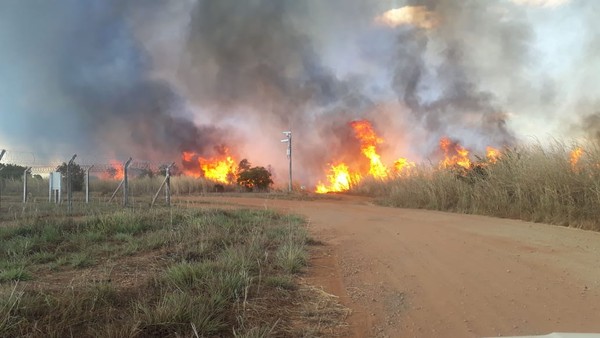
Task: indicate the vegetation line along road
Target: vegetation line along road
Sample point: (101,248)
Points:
(556,185)
(177,272)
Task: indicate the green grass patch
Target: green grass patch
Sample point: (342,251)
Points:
(14,274)
(208,269)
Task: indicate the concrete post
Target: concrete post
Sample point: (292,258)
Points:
(126,182)
(87,185)
(70,183)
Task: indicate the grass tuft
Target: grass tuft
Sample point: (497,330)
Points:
(14,274)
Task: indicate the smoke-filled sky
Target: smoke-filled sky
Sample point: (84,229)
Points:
(151,79)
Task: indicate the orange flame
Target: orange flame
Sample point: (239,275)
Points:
(492,154)
(575,156)
(222,169)
(454,154)
(114,172)
(340,179)
(368,141)
(403,166)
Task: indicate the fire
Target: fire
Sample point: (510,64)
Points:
(343,176)
(575,156)
(403,166)
(454,154)
(114,172)
(340,179)
(417,16)
(368,141)
(492,154)
(222,168)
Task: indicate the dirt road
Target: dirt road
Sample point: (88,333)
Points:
(416,273)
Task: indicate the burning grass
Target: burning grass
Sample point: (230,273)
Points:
(557,184)
(174,272)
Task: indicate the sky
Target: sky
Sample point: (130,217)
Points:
(151,79)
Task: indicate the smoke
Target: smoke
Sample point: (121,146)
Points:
(91,87)
(154,78)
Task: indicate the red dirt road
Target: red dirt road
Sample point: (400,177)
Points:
(416,273)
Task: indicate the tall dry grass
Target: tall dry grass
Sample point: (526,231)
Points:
(531,182)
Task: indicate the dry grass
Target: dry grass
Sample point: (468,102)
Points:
(533,183)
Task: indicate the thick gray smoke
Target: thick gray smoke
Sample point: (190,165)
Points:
(82,82)
(151,79)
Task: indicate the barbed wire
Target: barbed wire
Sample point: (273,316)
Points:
(19,157)
(93,163)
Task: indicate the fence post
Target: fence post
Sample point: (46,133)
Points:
(165,183)
(2,152)
(87,185)
(126,182)
(1,182)
(69,183)
(25,172)
(50,177)
(168,186)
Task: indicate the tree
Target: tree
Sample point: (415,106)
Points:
(244,165)
(11,171)
(77,175)
(255,178)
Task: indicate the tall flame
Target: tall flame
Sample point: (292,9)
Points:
(492,154)
(368,142)
(340,179)
(402,166)
(454,154)
(575,156)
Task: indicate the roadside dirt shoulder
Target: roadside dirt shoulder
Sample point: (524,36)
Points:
(416,273)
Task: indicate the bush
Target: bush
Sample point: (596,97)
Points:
(255,178)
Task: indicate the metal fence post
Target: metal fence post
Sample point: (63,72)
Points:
(168,184)
(1,182)
(25,172)
(50,177)
(126,182)
(87,185)
(69,183)
(165,183)
(2,152)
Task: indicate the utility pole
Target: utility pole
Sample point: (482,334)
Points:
(288,140)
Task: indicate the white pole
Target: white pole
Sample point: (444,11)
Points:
(288,140)
(87,185)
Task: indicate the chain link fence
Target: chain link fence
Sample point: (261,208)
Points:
(29,186)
